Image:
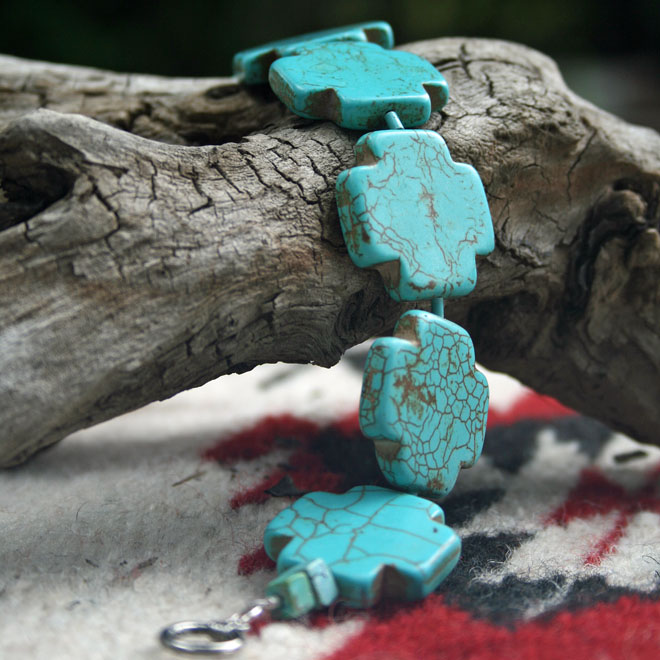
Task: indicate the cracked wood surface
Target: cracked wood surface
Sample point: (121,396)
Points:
(187,228)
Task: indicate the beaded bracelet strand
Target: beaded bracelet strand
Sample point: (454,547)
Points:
(409,211)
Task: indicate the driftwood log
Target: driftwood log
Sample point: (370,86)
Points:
(156,233)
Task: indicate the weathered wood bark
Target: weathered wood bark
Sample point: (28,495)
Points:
(133,268)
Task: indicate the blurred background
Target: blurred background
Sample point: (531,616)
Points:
(608,50)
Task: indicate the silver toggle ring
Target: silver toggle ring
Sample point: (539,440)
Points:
(203,637)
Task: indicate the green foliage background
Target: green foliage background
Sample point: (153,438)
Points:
(198,37)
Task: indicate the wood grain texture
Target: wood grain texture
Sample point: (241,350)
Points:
(158,233)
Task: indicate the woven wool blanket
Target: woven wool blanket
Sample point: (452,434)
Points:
(158,516)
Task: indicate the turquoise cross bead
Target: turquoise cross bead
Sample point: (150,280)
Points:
(378,543)
(424,403)
(414,214)
(252,65)
(354,84)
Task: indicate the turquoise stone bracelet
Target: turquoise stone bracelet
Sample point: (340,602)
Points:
(409,211)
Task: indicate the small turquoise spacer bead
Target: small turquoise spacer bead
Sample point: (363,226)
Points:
(393,122)
(295,592)
(323,582)
(303,588)
(438,307)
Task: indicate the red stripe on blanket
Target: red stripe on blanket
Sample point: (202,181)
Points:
(305,468)
(594,495)
(308,473)
(254,561)
(529,406)
(607,544)
(260,439)
(257,494)
(628,628)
